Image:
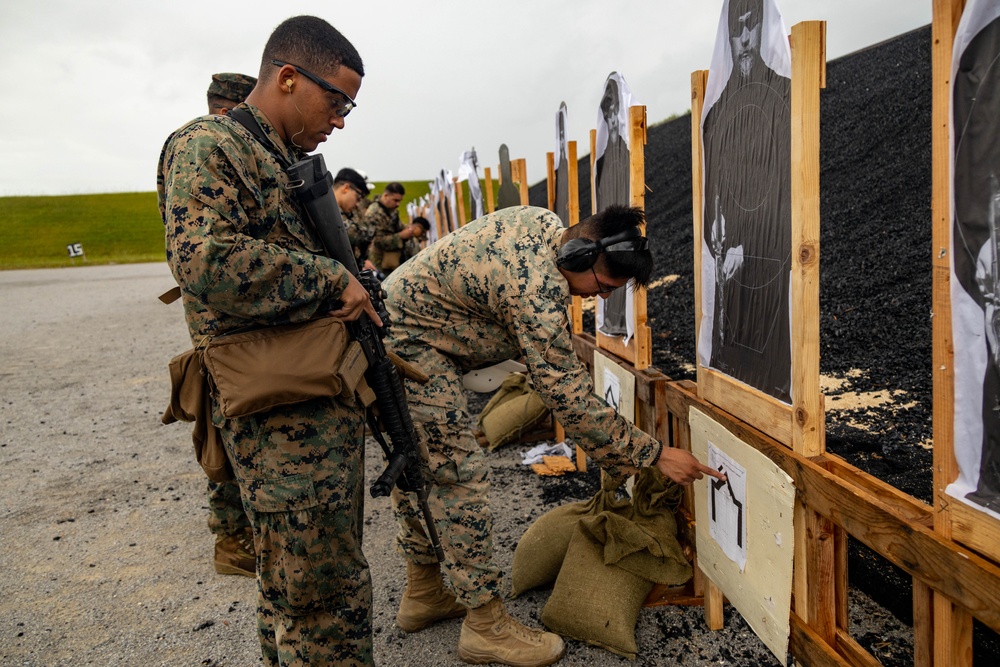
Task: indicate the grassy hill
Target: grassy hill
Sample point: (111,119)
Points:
(111,228)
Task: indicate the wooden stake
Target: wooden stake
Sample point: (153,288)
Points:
(952,626)
(521,179)
(460,198)
(489,190)
(576,305)
(550,179)
(808,43)
(699,80)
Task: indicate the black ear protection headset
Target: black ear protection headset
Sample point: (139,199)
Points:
(578,255)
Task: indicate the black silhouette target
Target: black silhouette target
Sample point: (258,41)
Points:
(747,137)
(976,113)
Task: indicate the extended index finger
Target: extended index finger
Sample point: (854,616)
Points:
(718,474)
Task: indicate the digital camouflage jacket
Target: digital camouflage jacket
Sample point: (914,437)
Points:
(236,242)
(490,292)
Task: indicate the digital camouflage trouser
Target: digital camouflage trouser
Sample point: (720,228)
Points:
(300,470)
(226,515)
(458,473)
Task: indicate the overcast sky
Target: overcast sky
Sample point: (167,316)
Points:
(93,87)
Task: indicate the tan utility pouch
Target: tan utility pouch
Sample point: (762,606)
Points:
(262,369)
(390,260)
(190,402)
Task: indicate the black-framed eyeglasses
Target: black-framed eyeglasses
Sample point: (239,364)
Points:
(603,289)
(341,109)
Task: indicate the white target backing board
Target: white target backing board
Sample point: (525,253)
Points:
(748,552)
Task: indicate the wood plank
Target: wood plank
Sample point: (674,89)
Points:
(637,157)
(960,574)
(522,179)
(923,625)
(975,530)
(809,648)
(699,80)
(489,190)
(439,220)
(952,633)
(576,304)
(808,43)
(853,652)
(904,504)
(550,180)
(840,543)
(682,440)
(616,346)
(763,412)
(643,336)
(946,15)
(821,576)
(800,558)
(714,604)
(949,637)
(460,198)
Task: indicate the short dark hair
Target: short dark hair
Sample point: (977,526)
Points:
(395,188)
(423,222)
(216,102)
(635,265)
(312,43)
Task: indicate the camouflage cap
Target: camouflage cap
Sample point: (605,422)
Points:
(231,86)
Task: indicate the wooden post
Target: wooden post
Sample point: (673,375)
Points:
(643,340)
(699,81)
(593,176)
(808,44)
(489,190)
(432,205)
(576,305)
(460,197)
(952,626)
(521,179)
(550,179)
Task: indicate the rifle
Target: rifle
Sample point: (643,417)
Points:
(313,184)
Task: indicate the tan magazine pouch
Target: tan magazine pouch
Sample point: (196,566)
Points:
(390,259)
(257,370)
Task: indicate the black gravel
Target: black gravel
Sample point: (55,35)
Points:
(875,273)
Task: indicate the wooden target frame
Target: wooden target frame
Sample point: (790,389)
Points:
(800,425)
(639,351)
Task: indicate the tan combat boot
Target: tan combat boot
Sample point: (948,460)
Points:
(425,601)
(235,554)
(490,634)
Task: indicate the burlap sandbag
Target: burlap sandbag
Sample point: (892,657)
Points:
(593,602)
(514,410)
(611,564)
(540,551)
(648,547)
